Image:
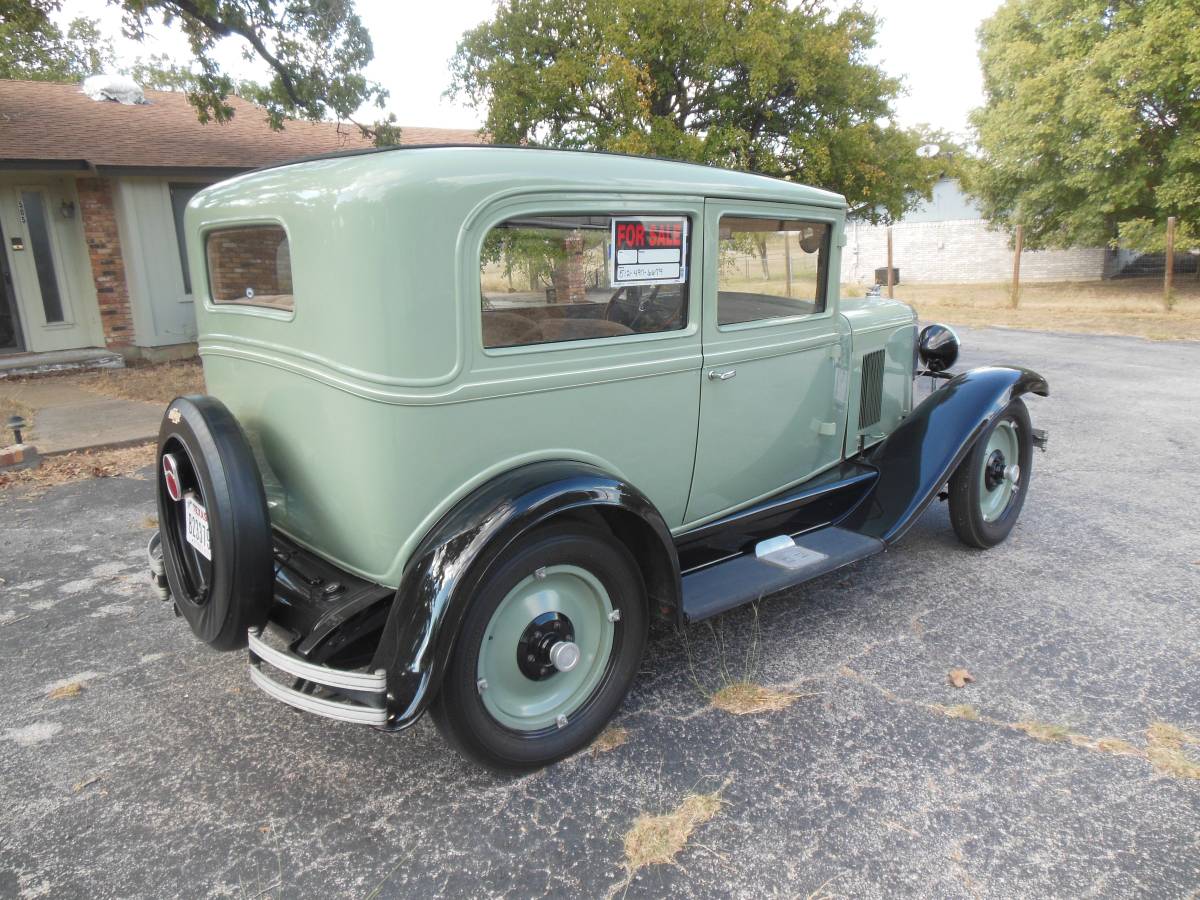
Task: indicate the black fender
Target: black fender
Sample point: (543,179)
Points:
(916,459)
(457,554)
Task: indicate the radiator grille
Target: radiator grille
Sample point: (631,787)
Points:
(870,402)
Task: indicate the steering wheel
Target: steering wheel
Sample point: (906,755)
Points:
(613,312)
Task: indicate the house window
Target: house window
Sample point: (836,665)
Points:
(546,279)
(771,268)
(250,266)
(180,195)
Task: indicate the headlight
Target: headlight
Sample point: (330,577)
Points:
(938,347)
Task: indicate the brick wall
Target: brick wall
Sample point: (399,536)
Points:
(99,220)
(961,252)
(243,259)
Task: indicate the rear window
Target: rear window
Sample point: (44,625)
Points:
(250,266)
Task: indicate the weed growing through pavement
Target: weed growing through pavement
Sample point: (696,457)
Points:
(737,690)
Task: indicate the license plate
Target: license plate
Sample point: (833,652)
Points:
(196,518)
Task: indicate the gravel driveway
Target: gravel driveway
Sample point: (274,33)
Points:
(168,774)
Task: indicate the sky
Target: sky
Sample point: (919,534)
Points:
(930,44)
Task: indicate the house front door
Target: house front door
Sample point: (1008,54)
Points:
(11,339)
(44,301)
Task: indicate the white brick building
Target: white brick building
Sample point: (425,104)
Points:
(947,240)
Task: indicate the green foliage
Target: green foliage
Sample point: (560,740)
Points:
(1149,236)
(748,84)
(1092,117)
(316,51)
(33,47)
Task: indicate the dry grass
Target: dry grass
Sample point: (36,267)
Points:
(658,840)
(1125,306)
(157,383)
(744,698)
(77,466)
(66,691)
(960,711)
(610,738)
(1164,750)
(1044,731)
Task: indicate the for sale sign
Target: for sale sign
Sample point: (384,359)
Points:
(648,250)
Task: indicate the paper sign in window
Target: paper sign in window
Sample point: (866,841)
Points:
(648,250)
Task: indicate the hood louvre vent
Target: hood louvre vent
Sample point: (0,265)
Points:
(870,402)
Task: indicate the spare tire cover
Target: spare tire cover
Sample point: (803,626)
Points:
(212,472)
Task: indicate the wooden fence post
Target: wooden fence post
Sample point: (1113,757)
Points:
(1169,272)
(891,275)
(1015,298)
(787,259)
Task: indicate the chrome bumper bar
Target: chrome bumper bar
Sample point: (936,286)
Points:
(365,691)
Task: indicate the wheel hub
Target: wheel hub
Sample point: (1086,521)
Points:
(547,647)
(994,470)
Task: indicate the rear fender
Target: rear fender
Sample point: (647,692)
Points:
(456,556)
(916,459)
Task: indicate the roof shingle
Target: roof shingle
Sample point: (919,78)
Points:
(51,122)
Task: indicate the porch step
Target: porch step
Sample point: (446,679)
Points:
(16,365)
(713,590)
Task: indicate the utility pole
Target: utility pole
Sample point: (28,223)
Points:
(1015,298)
(1169,274)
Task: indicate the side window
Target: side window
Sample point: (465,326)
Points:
(250,266)
(546,279)
(771,268)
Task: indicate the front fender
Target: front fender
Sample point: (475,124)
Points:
(455,557)
(916,459)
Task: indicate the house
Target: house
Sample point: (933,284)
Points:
(946,239)
(92,194)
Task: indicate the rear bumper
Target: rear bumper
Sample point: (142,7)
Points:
(320,614)
(343,694)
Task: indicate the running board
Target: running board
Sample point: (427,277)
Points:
(776,564)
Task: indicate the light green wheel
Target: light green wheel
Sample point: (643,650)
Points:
(1001,473)
(530,678)
(988,489)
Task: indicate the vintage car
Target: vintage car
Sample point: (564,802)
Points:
(478,415)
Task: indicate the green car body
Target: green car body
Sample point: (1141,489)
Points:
(373,407)
(476,415)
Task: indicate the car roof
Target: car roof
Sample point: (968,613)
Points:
(569,168)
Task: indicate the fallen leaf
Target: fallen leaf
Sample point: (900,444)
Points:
(80,785)
(960,677)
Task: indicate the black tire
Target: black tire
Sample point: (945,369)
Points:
(220,598)
(459,711)
(966,493)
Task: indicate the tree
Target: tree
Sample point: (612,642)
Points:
(315,51)
(33,47)
(747,84)
(1092,118)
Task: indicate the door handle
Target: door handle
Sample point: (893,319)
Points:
(714,375)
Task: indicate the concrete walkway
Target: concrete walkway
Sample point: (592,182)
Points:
(66,417)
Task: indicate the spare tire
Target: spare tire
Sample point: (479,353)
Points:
(221,576)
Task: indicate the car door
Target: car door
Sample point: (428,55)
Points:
(773,386)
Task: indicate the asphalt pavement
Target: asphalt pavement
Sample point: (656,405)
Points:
(169,774)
